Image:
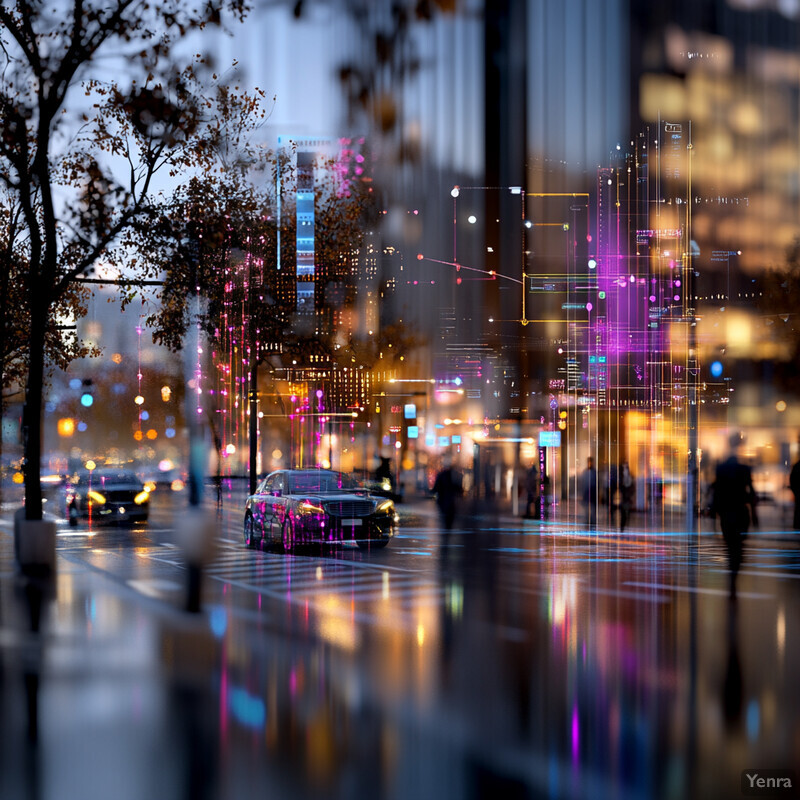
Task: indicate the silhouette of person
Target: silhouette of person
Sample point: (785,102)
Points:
(589,491)
(734,503)
(448,488)
(532,491)
(384,471)
(627,491)
(794,485)
(611,486)
(488,476)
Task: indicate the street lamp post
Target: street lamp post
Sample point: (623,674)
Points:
(253,394)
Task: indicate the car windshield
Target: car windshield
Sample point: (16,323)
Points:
(319,482)
(111,478)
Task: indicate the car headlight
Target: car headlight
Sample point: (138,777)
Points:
(142,497)
(97,498)
(310,508)
(386,507)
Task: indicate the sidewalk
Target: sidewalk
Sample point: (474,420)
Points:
(100,689)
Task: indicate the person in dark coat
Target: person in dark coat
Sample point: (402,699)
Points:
(734,504)
(627,494)
(794,485)
(589,491)
(384,472)
(532,492)
(448,488)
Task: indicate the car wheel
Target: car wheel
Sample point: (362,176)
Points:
(250,538)
(287,536)
(372,544)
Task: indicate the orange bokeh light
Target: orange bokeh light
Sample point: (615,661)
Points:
(66,426)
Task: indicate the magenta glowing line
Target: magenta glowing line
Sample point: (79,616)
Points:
(575,734)
(490,272)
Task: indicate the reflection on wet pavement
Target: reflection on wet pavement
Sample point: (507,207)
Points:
(488,662)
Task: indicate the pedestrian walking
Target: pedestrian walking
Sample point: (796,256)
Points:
(610,495)
(734,503)
(448,488)
(489,469)
(383,474)
(627,492)
(589,491)
(532,492)
(794,485)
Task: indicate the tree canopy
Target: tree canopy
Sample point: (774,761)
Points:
(219,238)
(81,153)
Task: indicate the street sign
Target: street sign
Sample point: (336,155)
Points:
(549,438)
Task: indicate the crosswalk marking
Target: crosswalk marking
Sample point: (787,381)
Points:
(302,579)
(409,574)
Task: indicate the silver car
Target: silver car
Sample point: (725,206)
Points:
(295,507)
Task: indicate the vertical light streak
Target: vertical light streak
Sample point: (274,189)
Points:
(139,377)
(575,735)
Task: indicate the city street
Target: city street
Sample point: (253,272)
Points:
(510,658)
(400,400)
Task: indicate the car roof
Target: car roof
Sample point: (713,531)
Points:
(329,475)
(310,471)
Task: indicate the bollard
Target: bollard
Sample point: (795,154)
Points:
(34,544)
(197,536)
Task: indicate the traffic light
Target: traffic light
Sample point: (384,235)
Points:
(87,393)
(716,369)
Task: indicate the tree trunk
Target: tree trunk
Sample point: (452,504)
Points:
(32,417)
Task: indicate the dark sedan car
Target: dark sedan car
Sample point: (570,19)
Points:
(295,507)
(107,495)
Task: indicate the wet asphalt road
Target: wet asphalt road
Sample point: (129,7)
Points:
(506,659)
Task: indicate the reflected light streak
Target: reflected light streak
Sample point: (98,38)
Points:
(563,595)
(218,622)
(575,734)
(223,701)
(753,720)
(336,624)
(455,599)
(250,711)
